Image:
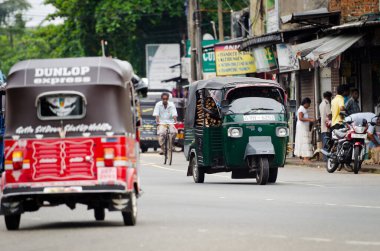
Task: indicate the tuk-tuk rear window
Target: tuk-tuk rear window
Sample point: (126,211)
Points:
(58,106)
(147,111)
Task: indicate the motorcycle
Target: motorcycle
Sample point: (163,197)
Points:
(347,145)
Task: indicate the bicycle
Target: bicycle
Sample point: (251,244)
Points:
(168,146)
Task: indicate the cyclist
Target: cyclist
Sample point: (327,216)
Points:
(166,115)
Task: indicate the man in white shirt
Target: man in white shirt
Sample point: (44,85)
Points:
(166,115)
(325,112)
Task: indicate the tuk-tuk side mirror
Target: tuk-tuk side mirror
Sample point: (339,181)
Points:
(225,106)
(292,105)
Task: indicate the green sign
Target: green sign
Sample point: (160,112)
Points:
(208,55)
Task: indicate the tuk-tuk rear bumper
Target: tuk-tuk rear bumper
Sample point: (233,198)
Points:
(18,199)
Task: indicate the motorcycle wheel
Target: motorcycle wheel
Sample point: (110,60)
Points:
(357,161)
(331,166)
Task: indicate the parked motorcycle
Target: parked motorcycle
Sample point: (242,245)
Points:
(347,145)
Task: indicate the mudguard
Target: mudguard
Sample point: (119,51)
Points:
(259,145)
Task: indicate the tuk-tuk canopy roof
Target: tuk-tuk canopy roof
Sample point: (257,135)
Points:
(69,72)
(218,83)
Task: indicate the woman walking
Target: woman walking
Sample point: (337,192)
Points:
(303,148)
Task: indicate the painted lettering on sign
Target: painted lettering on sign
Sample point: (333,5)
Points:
(62,75)
(95,127)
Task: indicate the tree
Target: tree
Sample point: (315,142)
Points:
(9,7)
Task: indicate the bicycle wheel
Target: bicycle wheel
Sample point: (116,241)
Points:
(170,149)
(166,149)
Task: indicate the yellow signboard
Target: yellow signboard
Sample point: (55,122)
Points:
(230,61)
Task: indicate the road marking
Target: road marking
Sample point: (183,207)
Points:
(167,168)
(278,236)
(316,239)
(363,243)
(300,183)
(363,206)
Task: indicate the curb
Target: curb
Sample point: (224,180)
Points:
(365,168)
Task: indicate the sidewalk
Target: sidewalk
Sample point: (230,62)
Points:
(320,164)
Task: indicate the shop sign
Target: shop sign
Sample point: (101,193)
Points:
(272,16)
(231,61)
(208,54)
(287,59)
(265,59)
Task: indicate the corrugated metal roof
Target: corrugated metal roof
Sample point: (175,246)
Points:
(332,48)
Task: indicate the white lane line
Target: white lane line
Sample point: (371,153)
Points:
(300,183)
(164,168)
(316,239)
(363,206)
(33,218)
(363,243)
(277,236)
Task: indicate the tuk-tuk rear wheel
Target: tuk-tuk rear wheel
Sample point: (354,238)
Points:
(273,175)
(12,221)
(198,175)
(99,213)
(130,217)
(262,174)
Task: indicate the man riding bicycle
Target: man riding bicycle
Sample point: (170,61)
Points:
(166,116)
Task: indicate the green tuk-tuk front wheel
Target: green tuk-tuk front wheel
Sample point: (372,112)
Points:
(262,174)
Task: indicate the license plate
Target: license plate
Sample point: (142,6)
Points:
(62,189)
(359,136)
(258,117)
(107,174)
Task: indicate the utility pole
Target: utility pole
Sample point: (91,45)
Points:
(198,40)
(220,21)
(192,40)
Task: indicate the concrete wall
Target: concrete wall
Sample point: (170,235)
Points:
(286,7)
(351,9)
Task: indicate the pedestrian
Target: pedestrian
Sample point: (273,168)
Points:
(303,148)
(325,112)
(337,106)
(352,105)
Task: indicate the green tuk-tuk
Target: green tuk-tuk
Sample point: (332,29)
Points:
(237,125)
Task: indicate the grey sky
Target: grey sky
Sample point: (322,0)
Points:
(38,12)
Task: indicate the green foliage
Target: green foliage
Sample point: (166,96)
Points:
(127,26)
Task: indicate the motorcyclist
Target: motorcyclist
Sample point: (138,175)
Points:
(369,117)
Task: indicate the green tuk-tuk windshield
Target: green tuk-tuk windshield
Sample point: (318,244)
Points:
(256,105)
(256,100)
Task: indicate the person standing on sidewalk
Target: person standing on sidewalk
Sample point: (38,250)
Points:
(352,105)
(302,147)
(325,112)
(337,106)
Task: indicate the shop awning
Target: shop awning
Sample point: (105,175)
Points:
(332,48)
(305,48)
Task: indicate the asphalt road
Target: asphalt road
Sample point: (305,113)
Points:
(308,209)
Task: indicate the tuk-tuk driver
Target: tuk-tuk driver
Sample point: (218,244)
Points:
(166,115)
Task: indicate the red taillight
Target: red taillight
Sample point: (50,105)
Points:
(17,160)
(109,156)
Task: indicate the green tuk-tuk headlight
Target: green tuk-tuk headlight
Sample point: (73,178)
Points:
(235,132)
(282,132)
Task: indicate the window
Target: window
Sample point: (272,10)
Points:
(61,105)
